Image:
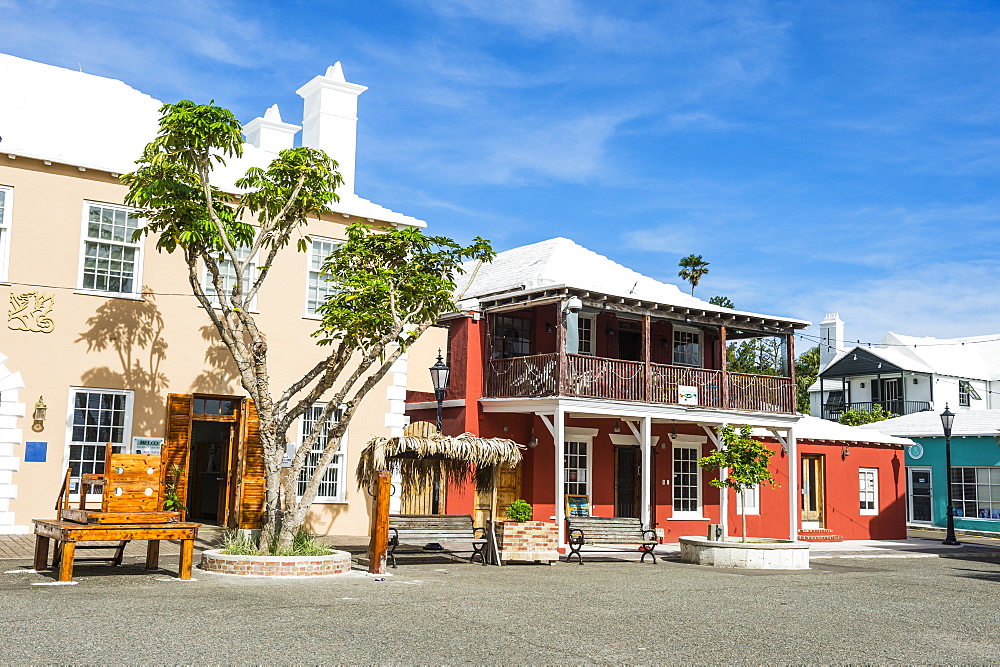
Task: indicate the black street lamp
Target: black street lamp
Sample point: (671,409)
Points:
(439,377)
(947,419)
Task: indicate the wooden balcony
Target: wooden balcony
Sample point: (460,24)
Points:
(586,376)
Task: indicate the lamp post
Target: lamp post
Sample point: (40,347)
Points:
(947,419)
(439,377)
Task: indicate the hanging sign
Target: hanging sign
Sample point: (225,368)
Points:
(687,395)
(577,505)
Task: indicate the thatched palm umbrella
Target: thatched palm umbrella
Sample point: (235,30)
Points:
(419,459)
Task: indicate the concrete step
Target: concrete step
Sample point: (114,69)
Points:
(819,535)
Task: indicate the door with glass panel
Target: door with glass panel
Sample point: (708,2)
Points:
(812,491)
(918,487)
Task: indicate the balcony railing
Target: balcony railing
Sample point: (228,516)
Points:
(896,408)
(617,379)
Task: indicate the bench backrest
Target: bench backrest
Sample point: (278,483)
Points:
(458,525)
(611,529)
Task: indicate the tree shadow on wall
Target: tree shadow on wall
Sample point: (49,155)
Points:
(134,330)
(221,375)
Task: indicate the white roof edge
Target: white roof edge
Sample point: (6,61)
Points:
(378,212)
(711,307)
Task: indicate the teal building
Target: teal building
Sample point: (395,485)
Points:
(975,468)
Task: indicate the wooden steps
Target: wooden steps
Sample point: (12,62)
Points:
(819,535)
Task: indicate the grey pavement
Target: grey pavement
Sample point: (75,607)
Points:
(866,609)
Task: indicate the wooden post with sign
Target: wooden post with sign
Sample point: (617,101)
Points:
(380,528)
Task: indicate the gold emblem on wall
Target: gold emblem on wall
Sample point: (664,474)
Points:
(30,312)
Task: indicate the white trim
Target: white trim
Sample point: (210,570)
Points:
(622,439)
(753,508)
(701,345)
(136,291)
(580,432)
(873,472)
(71,407)
(592,318)
(432,405)
(697,513)
(5,217)
(588,440)
(909,494)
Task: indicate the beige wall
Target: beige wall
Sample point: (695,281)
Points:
(161,344)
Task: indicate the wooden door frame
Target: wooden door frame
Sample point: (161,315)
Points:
(818,490)
(637,491)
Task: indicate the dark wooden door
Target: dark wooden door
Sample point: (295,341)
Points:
(627,475)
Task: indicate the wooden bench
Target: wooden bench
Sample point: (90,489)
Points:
(425,528)
(67,534)
(608,530)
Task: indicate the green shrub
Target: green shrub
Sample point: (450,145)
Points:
(240,543)
(519,510)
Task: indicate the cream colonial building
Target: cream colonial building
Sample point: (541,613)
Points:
(105,330)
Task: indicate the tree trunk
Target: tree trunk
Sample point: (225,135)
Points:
(743,514)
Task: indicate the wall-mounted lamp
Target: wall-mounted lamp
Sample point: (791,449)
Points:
(548,327)
(665,343)
(618,426)
(611,331)
(532,440)
(39,415)
(845,452)
(915,381)
(862,385)
(673,432)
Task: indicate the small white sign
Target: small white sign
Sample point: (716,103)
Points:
(146,445)
(687,395)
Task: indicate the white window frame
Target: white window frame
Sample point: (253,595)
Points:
(313,274)
(868,477)
(209,287)
(591,321)
(696,444)
(136,291)
(991,482)
(338,464)
(585,436)
(701,347)
(752,496)
(6,216)
(70,442)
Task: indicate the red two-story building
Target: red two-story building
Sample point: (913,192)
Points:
(617,382)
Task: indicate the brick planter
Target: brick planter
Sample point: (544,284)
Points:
(528,541)
(339,562)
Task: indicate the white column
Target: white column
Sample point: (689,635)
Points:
(647,470)
(560,448)
(723,493)
(793,486)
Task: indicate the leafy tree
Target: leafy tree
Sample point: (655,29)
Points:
(693,267)
(391,284)
(852,417)
(746,459)
(723,301)
(806,372)
(759,356)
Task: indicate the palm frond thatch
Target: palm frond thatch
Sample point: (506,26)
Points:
(455,459)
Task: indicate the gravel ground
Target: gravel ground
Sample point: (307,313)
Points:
(923,610)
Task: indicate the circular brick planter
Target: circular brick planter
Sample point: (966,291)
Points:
(339,562)
(755,554)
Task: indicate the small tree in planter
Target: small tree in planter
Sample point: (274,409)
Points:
(519,511)
(747,460)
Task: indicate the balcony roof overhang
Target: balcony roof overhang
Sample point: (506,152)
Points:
(739,321)
(658,413)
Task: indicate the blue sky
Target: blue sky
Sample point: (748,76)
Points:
(823,156)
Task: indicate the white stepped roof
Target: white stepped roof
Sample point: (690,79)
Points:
(928,424)
(84,120)
(976,357)
(560,262)
(816,429)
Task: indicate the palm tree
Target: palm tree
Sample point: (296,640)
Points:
(693,267)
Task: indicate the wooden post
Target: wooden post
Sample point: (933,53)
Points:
(723,366)
(66,561)
(186,559)
(561,348)
(380,529)
(647,353)
(791,371)
(41,553)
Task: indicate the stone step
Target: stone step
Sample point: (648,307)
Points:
(819,535)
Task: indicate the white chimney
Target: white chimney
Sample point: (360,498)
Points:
(330,119)
(270,133)
(831,338)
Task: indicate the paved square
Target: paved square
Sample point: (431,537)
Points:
(872,610)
